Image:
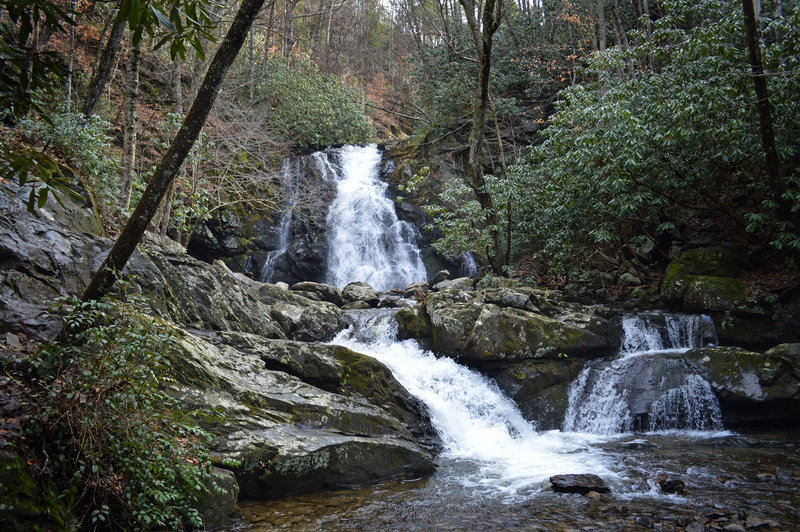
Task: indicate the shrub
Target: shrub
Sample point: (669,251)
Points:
(114,442)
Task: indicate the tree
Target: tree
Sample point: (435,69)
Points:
(170,164)
(483,34)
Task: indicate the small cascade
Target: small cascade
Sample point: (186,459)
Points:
(481,428)
(367,242)
(468,265)
(284,227)
(647,387)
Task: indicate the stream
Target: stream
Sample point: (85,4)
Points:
(630,418)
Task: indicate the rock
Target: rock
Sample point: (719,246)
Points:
(412,322)
(753,388)
(704,280)
(766,477)
(669,485)
(360,292)
(289,434)
(220,510)
(416,290)
(12,340)
(581,483)
(695,527)
(29,503)
(539,388)
(392,302)
(462,283)
(319,323)
(441,275)
(356,305)
(282,285)
(507,297)
(322,292)
(594,495)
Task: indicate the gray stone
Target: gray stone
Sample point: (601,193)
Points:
(581,483)
(441,275)
(322,292)
(360,292)
(461,283)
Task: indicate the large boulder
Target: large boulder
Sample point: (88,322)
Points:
(753,388)
(290,434)
(357,291)
(485,334)
(704,279)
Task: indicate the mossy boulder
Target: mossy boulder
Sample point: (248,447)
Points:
(413,322)
(753,388)
(704,279)
(28,504)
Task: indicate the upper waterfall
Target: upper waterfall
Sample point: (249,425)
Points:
(367,242)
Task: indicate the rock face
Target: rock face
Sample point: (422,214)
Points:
(487,328)
(298,415)
(753,388)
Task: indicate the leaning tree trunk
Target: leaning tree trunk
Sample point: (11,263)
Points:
(101,75)
(131,121)
(171,163)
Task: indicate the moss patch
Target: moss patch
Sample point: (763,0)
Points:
(28,504)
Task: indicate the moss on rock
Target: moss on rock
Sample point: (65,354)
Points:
(28,504)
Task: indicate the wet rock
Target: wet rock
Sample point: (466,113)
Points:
(578,483)
(319,291)
(753,388)
(539,388)
(416,290)
(766,477)
(290,434)
(392,302)
(695,527)
(644,521)
(360,292)
(356,305)
(669,485)
(441,275)
(412,322)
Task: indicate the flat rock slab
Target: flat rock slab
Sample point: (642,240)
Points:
(582,484)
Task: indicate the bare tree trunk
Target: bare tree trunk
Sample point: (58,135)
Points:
(101,75)
(753,35)
(251,67)
(71,57)
(168,168)
(601,24)
(166,205)
(131,121)
(483,34)
(620,36)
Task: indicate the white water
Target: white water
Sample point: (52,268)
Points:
(284,228)
(367,241)
(479,426)
(600,397)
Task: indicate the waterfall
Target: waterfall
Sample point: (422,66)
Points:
(284,227)
(647,387)
(477,423)
(367,242)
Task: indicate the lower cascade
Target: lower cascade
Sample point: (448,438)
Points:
(487,443)
(648,386)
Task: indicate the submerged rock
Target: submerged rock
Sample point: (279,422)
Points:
(581,483)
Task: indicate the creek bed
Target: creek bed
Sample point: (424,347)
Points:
(751,480)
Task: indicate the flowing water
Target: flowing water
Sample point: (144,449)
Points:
(647,387)
(629,418)
(493,471)
(284,227)
(367,242)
